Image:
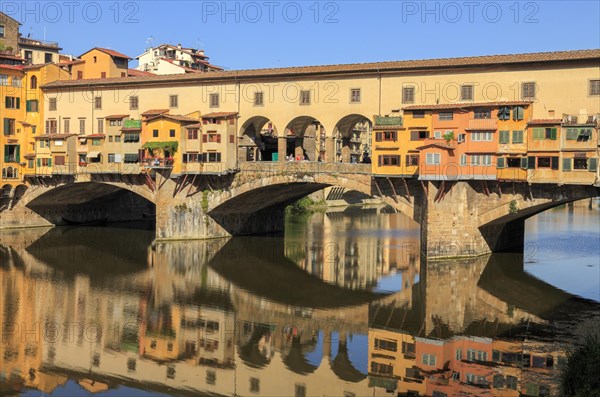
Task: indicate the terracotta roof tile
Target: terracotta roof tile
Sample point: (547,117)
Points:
(216,115)
(54,136)
(444,106)
(196,125)
(92,136)
(116,117)
(131,129)
(112,53)
(436,144)
(375,67)
(154,112)
(138,73)
(175,117)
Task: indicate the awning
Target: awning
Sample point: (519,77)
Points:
(93,155)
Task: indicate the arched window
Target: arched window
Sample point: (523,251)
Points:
(10,173)
(33,82)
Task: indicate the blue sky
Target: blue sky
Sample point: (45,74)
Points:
(258,34)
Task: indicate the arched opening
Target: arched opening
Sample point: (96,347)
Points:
(19,193)
(258,140)
(93,204)
(10,172)
(353,139)
(305,139)
(5,196)
(33,82)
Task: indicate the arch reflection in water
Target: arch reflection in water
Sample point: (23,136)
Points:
(214,317)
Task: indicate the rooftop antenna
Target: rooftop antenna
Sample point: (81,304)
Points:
(150,42)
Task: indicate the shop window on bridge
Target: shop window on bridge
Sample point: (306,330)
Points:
(211,157)
(578,134)
(482,113)
(503,137)
(418,114)
(481,159)
(383,136)
(481,136)
(191,157)
(517,136)
(386,345)
(584,163)
(412,160)
(445,116)
(130,137)
(544,133)
(547,162)
(10,173)
(131,158)
(432,158)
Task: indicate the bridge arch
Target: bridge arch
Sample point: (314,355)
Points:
(352,139)
(258,139)
(305,138)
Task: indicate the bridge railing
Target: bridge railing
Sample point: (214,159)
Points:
(307,167)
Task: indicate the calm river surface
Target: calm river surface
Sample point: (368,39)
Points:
(342,305)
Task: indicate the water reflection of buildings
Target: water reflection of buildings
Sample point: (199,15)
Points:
(209,318)
(355,250)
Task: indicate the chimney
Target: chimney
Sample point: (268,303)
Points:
(179,46)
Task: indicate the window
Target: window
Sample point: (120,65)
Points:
(476,355)
(102,75)
(51,126)
(458,354)
(304,97)
(170,346)
(133,103)
(173,101)
(80,75)
(67,126)
(115,123)
(59,160)
(580,163)
(171,133)
(100,126)
(44,143)
(12,102)
(578,134)
(171,372)
(418,114)
(155,133)
(504,137)
(411,161)
(518,113)
(211,137)
(418,135)
(438,394)
(355,95)
(131,364)
(131,158)
(211,377)
(594,88)
(543,162)
(32,106)
(517,136)
(192,134)
(48,57)
(16,82)
(408,348)
(386,345)
(254,385)
(480,159)
(528,90)
(482,136)
(96,142)
(258,99)
(98,103)
(466,92)
(385,136)
(384,369)
(111,158)
(9,126)
(130,137)
(504,113)
(437,134)
(81,126)
(211,157)
(511,382)
(500,162)
(214,100)
(2,31)
(544,133)
(118,139)
(444,116)
(432,158)
(3,79)
(33,82)
(191,158)
(11,153)
(461,138)
(482,114)
(408,95)
(428,359)
(463,159)
(10,172)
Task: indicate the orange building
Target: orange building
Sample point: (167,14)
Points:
(543,147)
(99,63)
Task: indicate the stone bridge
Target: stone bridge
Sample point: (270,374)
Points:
(457,218)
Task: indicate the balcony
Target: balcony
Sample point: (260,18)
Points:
(581,119)
(385,121)
(482,125)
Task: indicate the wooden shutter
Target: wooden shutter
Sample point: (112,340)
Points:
(524,162)
(572,134)
(501,162)
(567,164)
(592,164)
(18,103)
(538,133)
(531,163)
(204,138)
(378,136)
(554,163)
(39,163)
(553,133)
(219,138)
(504,136)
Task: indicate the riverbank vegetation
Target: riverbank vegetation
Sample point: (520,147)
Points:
(305,206)
(579,377)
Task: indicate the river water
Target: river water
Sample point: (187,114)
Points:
(341,305)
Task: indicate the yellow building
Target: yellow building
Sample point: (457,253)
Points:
(512,142)
(12,112)
(100,63)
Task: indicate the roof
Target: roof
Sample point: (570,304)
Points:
(116,116)
(92,136)
(12,67)
(196,125)
(11,18)
(175,117)
(54,136)
(387,121)
(73,62)
(544,121)
(112,53)
(438,145)
(375,67)
(138,73)
(216,115)
(131,129)
(154,112)
(445,106)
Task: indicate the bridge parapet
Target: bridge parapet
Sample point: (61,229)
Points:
(307,167)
